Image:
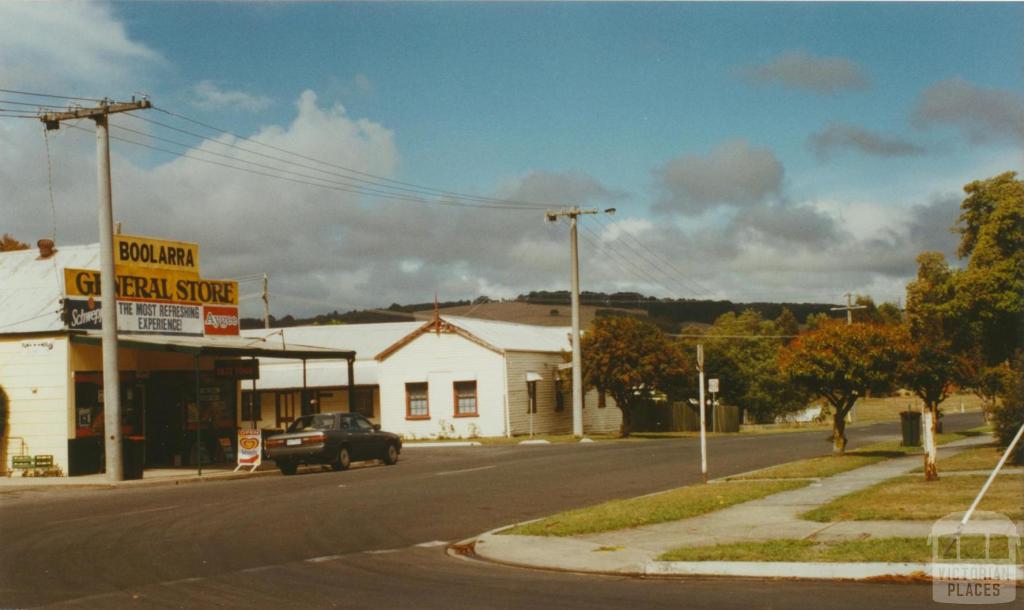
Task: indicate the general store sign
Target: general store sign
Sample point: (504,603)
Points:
(153,285)
(158,290)
(135,252)
(138,317)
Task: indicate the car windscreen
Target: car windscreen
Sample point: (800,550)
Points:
(306,423)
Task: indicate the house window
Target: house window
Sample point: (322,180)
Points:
(559,395)
(465,399)
(416,403)
(531,390)
(601,400)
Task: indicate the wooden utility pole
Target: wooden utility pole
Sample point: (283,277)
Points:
(266,302)
(849,308)
(108,295)
(574,261)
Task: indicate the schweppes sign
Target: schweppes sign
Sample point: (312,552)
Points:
(154,285)
(132,253)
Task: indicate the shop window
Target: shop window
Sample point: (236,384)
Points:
(465,399)
(417,405)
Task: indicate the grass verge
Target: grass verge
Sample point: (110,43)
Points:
(673,505)
(826,466)
(909,550)
(912,498)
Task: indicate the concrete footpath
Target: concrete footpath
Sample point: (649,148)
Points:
(635,551)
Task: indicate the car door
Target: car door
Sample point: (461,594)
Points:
(354,437)
(372,446)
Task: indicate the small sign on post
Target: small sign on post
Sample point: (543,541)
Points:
(713,386)
(250,449)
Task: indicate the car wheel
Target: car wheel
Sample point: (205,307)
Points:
(287,468)
(344,460)
(391,455)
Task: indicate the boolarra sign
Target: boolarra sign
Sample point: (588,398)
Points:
(159,292)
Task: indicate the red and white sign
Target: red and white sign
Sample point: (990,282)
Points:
(219,320)
(250,448)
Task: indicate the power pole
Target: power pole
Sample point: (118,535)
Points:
(266,302)
(108,294)
(574,261)
(849,308)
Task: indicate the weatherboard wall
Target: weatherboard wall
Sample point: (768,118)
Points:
(34,375)
(548,420)
(440,361)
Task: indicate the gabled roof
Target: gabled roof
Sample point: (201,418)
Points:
(31,287)
(365,339)
(499,337)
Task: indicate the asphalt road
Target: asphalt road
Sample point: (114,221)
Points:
(374,536)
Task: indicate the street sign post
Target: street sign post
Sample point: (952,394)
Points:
(703,425)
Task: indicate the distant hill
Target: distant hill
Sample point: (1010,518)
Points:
(545,308)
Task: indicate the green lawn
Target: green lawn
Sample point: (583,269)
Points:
(909,550)
(826,466)
(673,505)
(913,498)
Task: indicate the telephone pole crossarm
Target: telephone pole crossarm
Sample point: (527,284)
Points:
(850,307)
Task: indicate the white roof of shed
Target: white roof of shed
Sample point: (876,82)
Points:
(31,287)
(368,340)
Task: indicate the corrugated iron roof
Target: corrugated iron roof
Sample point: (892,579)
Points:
(31,287)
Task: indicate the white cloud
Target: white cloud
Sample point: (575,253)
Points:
(209,96)
(76,48)
(836,137)
(801,70)
(732,173)
(980,113)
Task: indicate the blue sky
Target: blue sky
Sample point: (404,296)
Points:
(768,151)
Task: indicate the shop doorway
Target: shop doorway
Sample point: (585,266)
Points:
(168,393)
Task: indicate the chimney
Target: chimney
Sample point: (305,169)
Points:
(46,248)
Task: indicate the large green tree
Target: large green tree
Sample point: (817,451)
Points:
(742,352)
(991,288)
(840,362)
(990,291)
(632,361)
(936,352)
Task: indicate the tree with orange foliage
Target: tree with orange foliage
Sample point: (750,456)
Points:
(840,362)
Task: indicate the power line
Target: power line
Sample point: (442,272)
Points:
(700,287)
(349,169)
(377,181)
(50,95)
(356,190)
(359,188)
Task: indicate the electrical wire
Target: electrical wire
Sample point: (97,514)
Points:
(396,197)
(52,96)
(658,264)
(377,181)
(436,191)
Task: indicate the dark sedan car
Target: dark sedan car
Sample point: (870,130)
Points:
(335,439)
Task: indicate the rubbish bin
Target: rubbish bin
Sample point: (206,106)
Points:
(133,456)
(911,424)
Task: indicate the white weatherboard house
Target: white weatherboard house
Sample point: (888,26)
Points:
(450,377)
